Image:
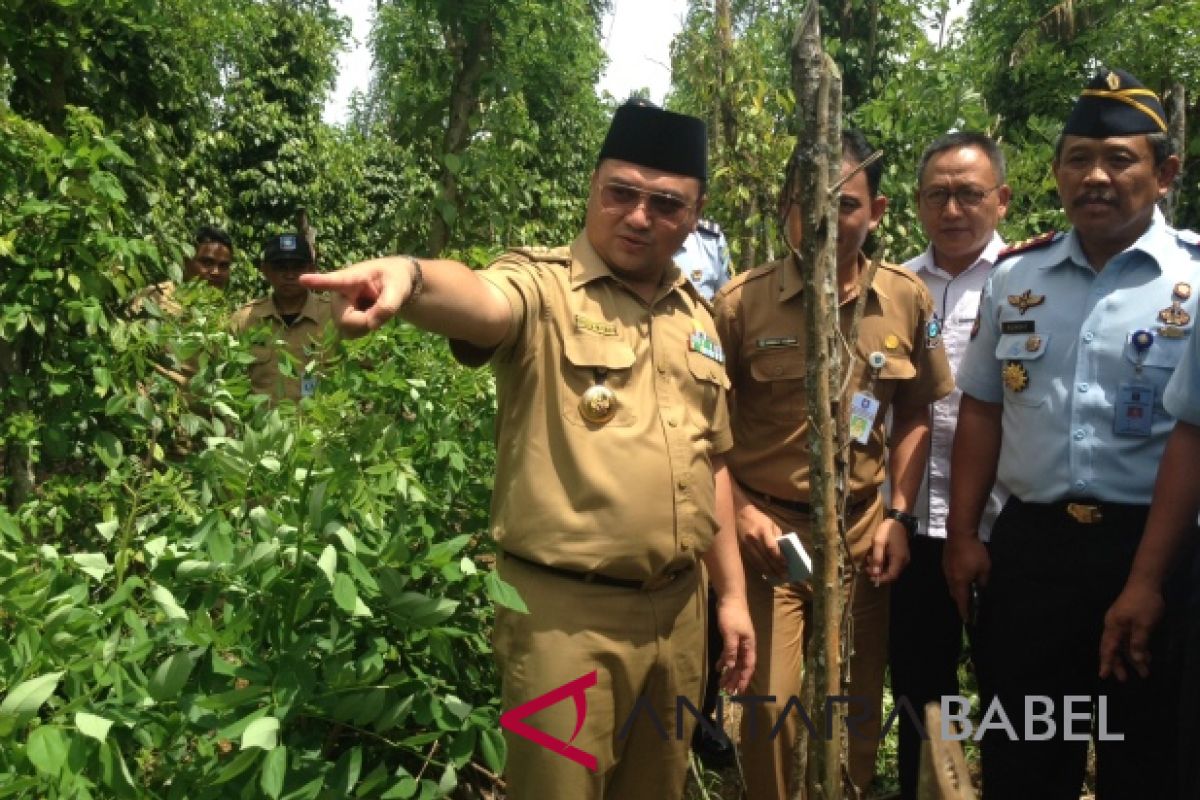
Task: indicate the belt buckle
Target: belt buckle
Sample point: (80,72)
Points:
(1084,514)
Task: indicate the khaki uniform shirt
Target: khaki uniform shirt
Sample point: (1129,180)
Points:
(629,498)
(760,316)
(162,295)
(307,330)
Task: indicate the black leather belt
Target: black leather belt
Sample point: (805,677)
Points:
(656,582)
(853,506)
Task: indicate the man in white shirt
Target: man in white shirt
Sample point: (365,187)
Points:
(961,196)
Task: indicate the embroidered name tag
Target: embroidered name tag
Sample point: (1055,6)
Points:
(1017,326)
(777,341)
(592,326)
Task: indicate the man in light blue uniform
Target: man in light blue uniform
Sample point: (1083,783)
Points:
(1171,531)
(1063,388)
(704,258)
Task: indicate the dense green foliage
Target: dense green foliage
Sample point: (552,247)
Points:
(203,595)
(1011,69)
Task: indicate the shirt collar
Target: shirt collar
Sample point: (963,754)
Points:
(986,260)
(791,282)
(268,309)
(1156,242)
(588,266)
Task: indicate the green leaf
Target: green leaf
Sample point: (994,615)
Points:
(170,677)
(449,780)
(23,702)
(274,770)
(503,593)
(108,529)
(47,749)
(94,565)
(92,725)
(344,593)
(108,448)
(494,749)
(403,789)
(328,562)
(345,772)
(262,733)
(166,601)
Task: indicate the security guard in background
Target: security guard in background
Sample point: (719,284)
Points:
(210,262)
(704,258)
(290,313)
(1062,386)
(610,481)
(899,364)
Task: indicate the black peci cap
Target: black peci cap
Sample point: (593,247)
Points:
(1115,103)
(650,136)
(287,247)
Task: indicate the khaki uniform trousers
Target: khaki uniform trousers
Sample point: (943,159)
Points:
(640,643)
(781,624)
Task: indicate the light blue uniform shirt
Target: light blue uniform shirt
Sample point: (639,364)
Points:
(1074,351)
(1183,392)
(704,258)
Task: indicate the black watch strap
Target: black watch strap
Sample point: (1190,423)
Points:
(904,518)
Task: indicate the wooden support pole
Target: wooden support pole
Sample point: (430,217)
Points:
(943,773)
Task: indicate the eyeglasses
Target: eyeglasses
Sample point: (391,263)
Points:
(619,198)
(965,196)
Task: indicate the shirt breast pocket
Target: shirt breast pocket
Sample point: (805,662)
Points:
(778,382)
(1158,362)
(704,390)
(1020,354)
(598,361)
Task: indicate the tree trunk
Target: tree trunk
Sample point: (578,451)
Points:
(17,461)
(470,50)
(727,132)
(816,163)
(1177,130)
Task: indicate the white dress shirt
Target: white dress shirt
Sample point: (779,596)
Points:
(956,302)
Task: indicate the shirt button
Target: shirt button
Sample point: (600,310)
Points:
(682,484)
(673,423)
(1083,387)
(662,369)
(1079,435)
(685,543)
(1080,485)
(1087,337)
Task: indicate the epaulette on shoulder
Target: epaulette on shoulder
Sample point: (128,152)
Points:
(559,255)
(709,227)
(900,272)
(1042,240)
(1188,237)
(747,276)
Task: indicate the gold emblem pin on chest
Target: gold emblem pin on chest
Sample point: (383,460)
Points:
(599,403)
(1182,291)
(1015,376)
(1026,300)
(1174,315)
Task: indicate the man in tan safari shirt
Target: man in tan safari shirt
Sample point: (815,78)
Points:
(291,314)
(610,481)
(898,364)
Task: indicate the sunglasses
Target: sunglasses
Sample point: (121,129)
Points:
(619,198)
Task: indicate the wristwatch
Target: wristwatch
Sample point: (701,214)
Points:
(904,518)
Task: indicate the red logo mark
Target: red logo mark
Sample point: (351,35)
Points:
(512,719)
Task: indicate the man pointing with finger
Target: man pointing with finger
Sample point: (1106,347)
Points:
(610,482)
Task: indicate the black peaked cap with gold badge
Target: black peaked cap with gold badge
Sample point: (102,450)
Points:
(644,134)
(1114,103)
